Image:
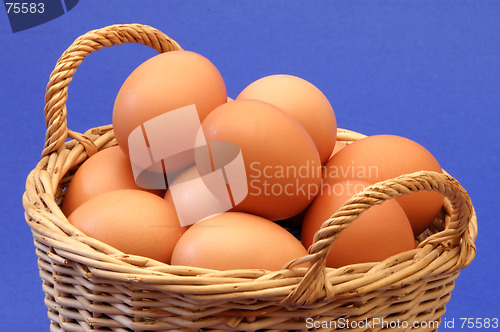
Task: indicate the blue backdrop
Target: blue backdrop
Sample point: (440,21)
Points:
(426,70)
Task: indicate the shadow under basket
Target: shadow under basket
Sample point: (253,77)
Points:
(92,286)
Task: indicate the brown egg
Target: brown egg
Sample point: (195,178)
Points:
(235,240)
(380,232)
(382,157)
(185,176)
(133,221)
(338,146)
(281,161)
(190,202)
(302,100)
(166,82)
(107,170)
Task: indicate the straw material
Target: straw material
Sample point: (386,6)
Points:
(92,286)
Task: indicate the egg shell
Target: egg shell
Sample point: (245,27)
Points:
(166,82)
(302,100)
(282,164)
(132,221)
(235,240)
(338,146)
(190,202)
(107,170)
(378,233)
(381,157)
(185,176)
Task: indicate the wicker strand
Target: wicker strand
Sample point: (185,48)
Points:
(57,88)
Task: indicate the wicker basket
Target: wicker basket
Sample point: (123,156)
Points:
(92,286)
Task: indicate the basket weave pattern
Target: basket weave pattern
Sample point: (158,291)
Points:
(92,286)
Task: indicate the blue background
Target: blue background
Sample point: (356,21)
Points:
(426,70)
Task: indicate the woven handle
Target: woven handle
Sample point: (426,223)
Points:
(314,282)
(57,88)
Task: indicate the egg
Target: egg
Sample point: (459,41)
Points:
(380,232)
(132,221)
(302,100)
(190,202)
(381,157)
(166,82)
(107,170)
(282,164)
(185,176)
(338,146)
(235,240)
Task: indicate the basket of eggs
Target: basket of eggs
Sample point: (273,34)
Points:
(196,212)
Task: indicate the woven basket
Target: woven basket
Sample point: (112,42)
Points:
(92,286)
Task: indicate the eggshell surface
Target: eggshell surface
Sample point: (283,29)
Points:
(338,146)
(132,221)
(166,82)
(282,164)
(235,240)
(378,233)
(303,101)
(107,170)
(190,194)
(381,157)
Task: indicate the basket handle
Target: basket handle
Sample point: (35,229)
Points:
(61,76)
(315,280)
